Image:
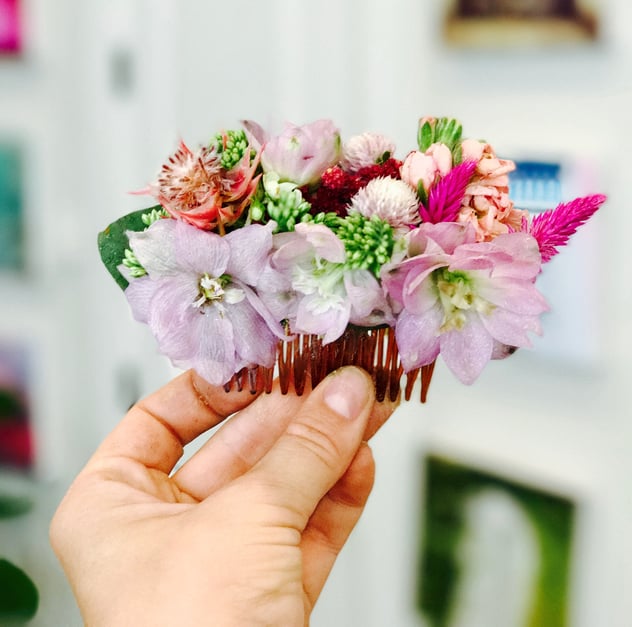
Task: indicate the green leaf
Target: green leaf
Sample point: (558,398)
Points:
(13,505)
(113,241)
(18,595)
(425,136)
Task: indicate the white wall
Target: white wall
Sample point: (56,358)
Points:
(200,66)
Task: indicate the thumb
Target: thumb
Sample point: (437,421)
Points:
(318,445)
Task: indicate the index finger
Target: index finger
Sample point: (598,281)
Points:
(156,429)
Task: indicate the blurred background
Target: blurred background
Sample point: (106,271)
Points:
(507,503)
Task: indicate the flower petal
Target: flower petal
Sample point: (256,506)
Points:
(214,359)
(418,337)
(200,251)
(330,323)
(369,306)
(154,248)
(510,328)
(467,351)
(255,344)
(250,247)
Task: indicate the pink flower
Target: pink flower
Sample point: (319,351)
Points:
(308,284)
(553,228)
(300,154)
(424,167)
(464,299)
(486,204)
(198,297)
(193,187)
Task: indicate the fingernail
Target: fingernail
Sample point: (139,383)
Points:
(346,392)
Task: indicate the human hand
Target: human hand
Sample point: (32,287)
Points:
(246,531)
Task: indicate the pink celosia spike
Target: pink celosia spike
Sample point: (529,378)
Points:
(444,199)
(554,227)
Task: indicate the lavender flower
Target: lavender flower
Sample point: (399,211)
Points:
(198,300)
(464,299)
(310,284)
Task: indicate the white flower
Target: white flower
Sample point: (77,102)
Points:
(366,149)
(390,199)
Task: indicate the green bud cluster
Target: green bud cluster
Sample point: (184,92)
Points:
(233,152)
(282,202)
(131,262)
(157,213)
(368,241)
(329,219)
(287,210)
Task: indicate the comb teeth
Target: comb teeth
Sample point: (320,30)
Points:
(303,362)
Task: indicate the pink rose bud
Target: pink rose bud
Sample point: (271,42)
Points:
(419,167)
(301,154)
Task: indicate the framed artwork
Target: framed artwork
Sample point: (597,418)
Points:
(492,551)
(12,244)
(511,23)
(10,32)
(16,433)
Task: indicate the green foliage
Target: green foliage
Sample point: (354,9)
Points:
(19,598)
(13,505)
(446,131)
(113,242)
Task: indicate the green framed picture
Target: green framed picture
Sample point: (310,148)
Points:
(492,551)
(12,244)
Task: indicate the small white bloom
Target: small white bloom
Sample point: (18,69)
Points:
(366,149)
(390,199)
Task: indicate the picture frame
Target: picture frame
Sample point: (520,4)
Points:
(10,28)
(17,437)
(12,208)
(493,550)
(520,23)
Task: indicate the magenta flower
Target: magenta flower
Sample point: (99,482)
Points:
(198,300)
(552,229)
(463,299)
(300,154)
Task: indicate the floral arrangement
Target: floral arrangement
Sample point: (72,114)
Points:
(304,253)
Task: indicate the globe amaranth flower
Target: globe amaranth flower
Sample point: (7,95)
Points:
(309,284)
(300,154)
(198,297)
(364,150)
(464,299)
(486,204)
(391,200)
(195,188)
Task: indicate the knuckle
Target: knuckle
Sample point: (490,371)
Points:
(317,440)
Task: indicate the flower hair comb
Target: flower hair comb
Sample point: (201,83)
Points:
(296,255)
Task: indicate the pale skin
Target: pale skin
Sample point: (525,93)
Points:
(246,531)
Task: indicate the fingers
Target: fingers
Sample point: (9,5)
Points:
(155,430)
(239,444)
(317,446)
(333,521)
(247,437)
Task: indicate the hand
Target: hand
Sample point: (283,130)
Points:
(246,531)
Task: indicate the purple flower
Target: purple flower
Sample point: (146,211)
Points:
(463,299)
(301,154)
(308,283)
(198,300)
